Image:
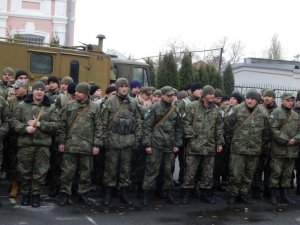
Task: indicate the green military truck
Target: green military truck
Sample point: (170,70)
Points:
(83,63)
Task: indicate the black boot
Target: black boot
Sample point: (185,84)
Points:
(145,200)
(286,198)
(185,194)
(107,197)
(124,197)
(25,200)
(256,192)
(298,189)
(170,199)
(63,199)
(206,196)
(273,195)
(244,199)
(35,201)
(84,199)
(231,200)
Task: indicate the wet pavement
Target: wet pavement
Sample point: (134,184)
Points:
(260,212)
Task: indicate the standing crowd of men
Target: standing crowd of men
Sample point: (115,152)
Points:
(69,137)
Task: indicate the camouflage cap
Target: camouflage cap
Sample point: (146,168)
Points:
(157,92)
(20,83)
(146,90)
(287,95)
(8,70)
(167,90)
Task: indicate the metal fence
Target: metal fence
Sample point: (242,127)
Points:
(243,88)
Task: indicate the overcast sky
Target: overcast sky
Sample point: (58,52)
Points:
(144,27)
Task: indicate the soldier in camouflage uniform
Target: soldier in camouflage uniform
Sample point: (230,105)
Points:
(203,128)
(7,77)
(79,139)
(297,162)
(162,138)
(34,120)
(285,128)
(263,167)
(121,130)
(21,91)
(4,126)
(246,124)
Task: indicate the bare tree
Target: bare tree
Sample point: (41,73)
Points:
(275,50)
(236,52)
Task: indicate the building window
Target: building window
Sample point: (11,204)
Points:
(32,39)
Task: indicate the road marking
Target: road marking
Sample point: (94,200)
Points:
(90,219)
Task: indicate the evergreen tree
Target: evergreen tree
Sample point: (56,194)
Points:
(228,80)
(202,75)
(186,71)
(214,77)
(167,72)
(151,78)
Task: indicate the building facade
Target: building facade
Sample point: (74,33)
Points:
(38,21)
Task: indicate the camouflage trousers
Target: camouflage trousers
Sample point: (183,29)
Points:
(70,163)
(117,167)
(154,161)
(207,168)
(33,165)
(241,172)
(281,171)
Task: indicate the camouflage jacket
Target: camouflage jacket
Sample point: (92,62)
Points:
(203,127)
(247,131)
(55,98)
(168,134)
(121,120)
(284,125)
(4,115)
(79,132)
(25,111)
(3,90)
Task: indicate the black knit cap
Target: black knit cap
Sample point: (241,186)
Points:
(71,88)
(110,89)
(53,79)
(196,86)
(237,96)
(93,88)
(20,73)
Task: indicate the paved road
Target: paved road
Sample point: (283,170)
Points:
(158,213)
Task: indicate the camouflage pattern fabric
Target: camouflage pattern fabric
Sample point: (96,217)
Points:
(281,170)
(241,171)
(72,161)
(117,167)
(206,173)
(154,162)
(33,164)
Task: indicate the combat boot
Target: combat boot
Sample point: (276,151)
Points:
(63,199)
(35,201)
(232,200)
(256,192)
(273,196)
(14,189)
(145,200)
(84,199)
(124,197)
(107,197)
(244,199)
(185,194)
(25,200)
(170,199)
(206,196)
(286,198)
